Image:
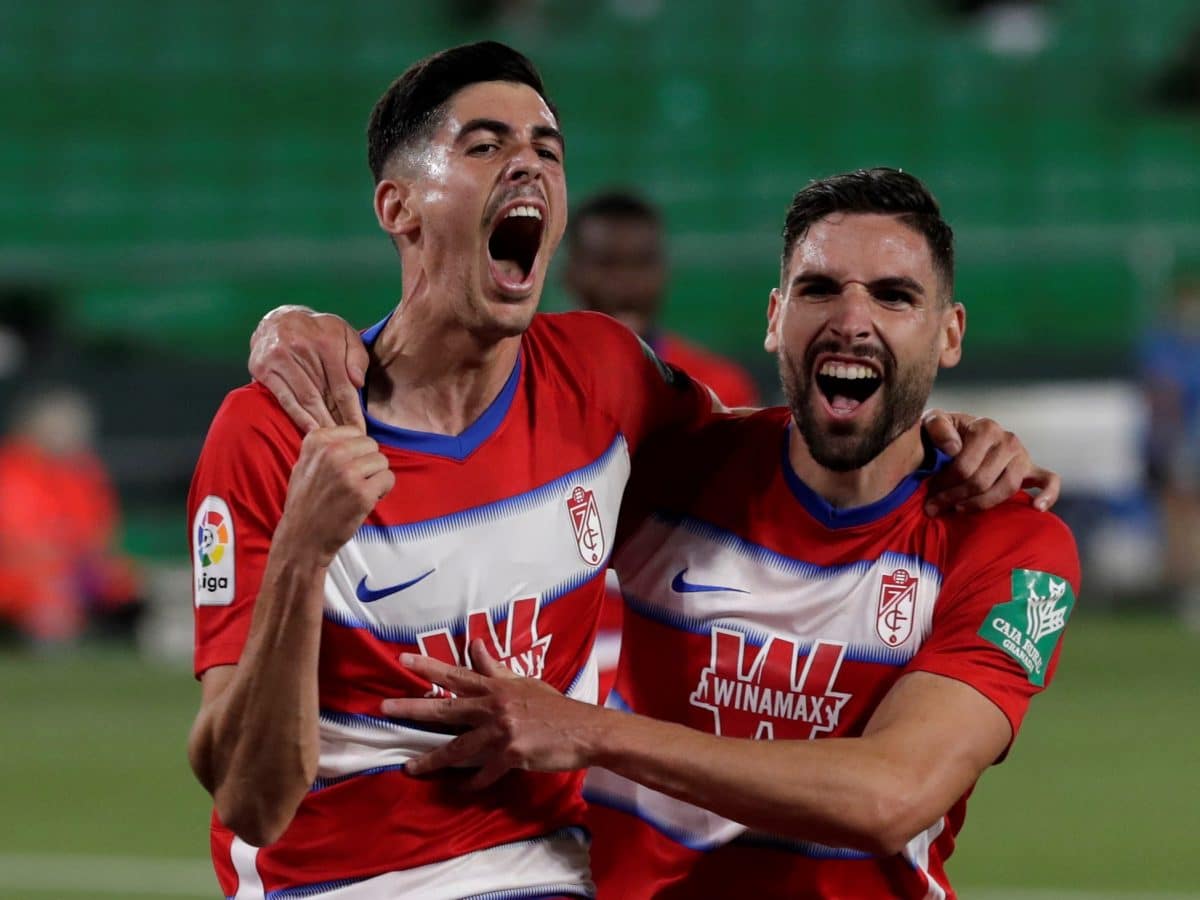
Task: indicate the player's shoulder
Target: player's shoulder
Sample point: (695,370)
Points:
(731,443)
(598,352)
(1013,533)
(251,410)
(678,349)
(581,327)
(745,430)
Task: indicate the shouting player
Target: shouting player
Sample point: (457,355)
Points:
(784,584)
(508,437)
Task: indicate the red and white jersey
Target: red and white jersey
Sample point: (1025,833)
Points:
(503,532)
(735,388)
(756,610)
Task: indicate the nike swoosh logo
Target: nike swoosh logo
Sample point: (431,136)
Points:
(686,587)
(366,595)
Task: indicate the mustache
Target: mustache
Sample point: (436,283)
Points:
(519,193)
(878,354)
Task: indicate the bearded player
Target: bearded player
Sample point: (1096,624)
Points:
(815,671)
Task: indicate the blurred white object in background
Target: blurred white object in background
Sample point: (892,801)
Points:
(1090,432)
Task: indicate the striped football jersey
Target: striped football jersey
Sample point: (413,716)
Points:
(501,533)
(754,609)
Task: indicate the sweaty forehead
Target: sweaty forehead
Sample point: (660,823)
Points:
(517,105)
(863,247)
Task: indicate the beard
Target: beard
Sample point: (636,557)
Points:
(846,446)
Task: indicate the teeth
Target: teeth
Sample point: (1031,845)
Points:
(531,212)
(850,371)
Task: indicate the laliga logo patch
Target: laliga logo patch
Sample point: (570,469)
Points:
(212,553)
(585,517)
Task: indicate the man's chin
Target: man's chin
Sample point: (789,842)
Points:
(504,319)
(841,455)
(840,445)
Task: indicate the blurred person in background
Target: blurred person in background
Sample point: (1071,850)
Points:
(60,569)
(1171,376)
(617,265)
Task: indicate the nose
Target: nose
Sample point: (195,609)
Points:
(850,316)
(524,165)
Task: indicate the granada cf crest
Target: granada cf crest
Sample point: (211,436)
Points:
(897,604)
(585,516)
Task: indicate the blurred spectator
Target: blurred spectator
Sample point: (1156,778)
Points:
(28,327)
(59,571)
(617,265)
(1171,375)
(1179,86)
(1011,28)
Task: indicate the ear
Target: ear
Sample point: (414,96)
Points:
(774,307)
(954,327)
(394,208)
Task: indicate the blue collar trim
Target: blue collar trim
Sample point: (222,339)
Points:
(832,517)
(457,447)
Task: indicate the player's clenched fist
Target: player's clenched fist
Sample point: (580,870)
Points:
(336,482)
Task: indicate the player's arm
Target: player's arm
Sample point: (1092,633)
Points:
(314,363)
(254,744)
(926,744)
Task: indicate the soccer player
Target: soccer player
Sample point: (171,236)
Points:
(480,503)
(785,584)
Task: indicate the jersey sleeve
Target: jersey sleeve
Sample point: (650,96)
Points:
(645,395)
(1008,593)
(235,502)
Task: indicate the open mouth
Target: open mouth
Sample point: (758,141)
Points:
(514,244)
(846,385)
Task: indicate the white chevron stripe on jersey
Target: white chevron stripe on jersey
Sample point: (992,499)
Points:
(917,852)
(699,829)
(398,581)
(245,863)
(790,596)
(691,826)
(353,745)
(555,864)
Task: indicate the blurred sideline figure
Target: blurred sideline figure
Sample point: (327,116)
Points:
(1171,375)
(59,519)
(617,265)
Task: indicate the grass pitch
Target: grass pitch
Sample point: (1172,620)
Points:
(1100,799)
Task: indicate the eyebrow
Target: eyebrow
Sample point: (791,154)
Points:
(895,281)
(503,129)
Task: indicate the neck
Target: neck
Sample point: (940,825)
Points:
(435,376)
(862,486)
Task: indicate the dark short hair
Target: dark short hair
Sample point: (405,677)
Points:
(410,108)
(612,203)
(879,190)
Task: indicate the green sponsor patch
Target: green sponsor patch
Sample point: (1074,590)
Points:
(1028,626)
